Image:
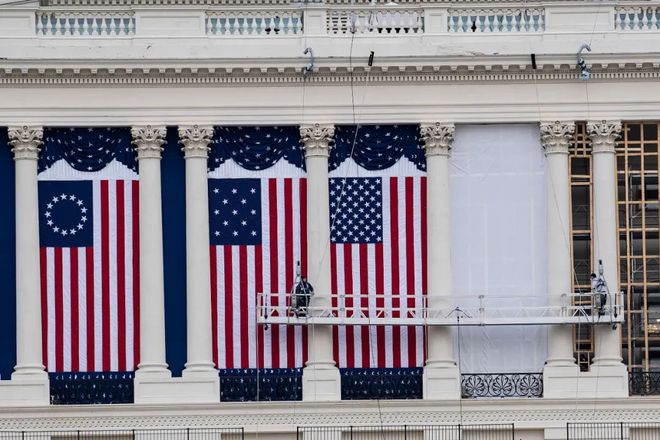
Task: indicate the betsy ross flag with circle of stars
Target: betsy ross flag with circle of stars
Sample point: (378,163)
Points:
(88,232)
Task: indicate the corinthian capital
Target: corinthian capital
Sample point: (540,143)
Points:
(148,141)
(437,138)
(603,135)
(25,141)
(195,140)
(316,139)
(556,136)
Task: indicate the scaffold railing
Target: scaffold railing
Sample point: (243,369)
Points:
(422,310)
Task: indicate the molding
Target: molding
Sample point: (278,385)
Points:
(603,135)
(556,136)
(195,140)
(25,141)
(317,139)
(148,141)
(438,138)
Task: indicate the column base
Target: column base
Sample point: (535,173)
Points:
(321,383)
(158,388)
(25,390)
(562,382)
(441,382)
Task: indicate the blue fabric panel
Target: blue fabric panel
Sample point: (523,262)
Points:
(91,388)
(264,384)
(7,260)
(381,383)
(256,148)
(87,149)
(173,181)
(377,147)
(69,213)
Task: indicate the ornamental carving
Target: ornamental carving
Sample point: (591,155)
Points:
(195,140)
(148,141)
(603,135)
(556,136)
(317,139)
(437,138)
(25,141)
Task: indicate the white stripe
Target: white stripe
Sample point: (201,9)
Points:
(282,288)
(82,309)
(98,284)
(221,312)
(357,304)
(265,248)
(50,300)
(252,308)
(371,274)
(66,309)
(298,330)
(403,270)
(417,212)
(341,303)
(237,313)
(387,270)
(112,264)
(128,268)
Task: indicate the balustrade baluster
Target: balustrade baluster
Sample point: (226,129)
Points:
(654,18)
(95,25)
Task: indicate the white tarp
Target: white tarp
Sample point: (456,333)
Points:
(497,193)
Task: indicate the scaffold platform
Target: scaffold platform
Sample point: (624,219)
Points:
(408,310)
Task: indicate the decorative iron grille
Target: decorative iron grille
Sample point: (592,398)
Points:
(613,431)
(502,385)
(381,383)
(644,383)
(91,388)
(407,432)
(267,384)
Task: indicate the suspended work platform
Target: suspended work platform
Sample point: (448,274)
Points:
(402,310)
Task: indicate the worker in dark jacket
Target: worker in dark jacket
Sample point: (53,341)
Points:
(303,295)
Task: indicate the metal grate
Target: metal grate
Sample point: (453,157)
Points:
(408,432)
(502,385)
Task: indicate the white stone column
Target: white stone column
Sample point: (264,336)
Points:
(321,379)
(195,141)
(603,136)
(29,382)
(442,378)
(560,371)
(149,142)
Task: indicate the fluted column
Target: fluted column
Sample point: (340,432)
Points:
(320,376)
(148,143)
(25,142)
(603,136)
(441,375)
(195,141)
(555,139)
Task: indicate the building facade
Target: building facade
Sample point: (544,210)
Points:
(470,187)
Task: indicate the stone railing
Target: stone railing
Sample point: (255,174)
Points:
(85,23)
(641,18)
(254,22)
(496,20)
(385,20)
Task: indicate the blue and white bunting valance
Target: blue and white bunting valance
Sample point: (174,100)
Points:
(87,149)
(256,148)
(377,147)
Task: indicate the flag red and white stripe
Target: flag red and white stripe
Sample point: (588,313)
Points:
(90,295)
(239,272)
(393,268)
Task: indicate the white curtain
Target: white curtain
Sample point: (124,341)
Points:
(498,245)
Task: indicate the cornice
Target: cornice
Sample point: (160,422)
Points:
(195,76)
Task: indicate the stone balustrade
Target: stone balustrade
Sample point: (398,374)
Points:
(63,23)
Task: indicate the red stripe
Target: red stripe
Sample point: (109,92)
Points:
(121,277)
(229,312)
(303,252)
(214,302)
(333,287)
(423,202)
(274,284)
(43,261)
(348,290)
(89,297)
(75,333)
(289,267)
(394,240)
(59,312)
(364,303)
(243,300)
(259,287)
(410,267)
(105,274)
(136,271)
(380,303)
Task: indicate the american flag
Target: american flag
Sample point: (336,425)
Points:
(257,233)
(89,274)
(378,246)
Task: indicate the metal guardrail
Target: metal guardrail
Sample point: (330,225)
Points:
(381,383)
(613,431)
(502,385)
(407,432)
(226,433)
(91,388)
(644,383)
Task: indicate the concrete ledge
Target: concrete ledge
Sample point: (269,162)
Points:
(442,383)
(607,381)
(176,390)
(32,391)
(321,384)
